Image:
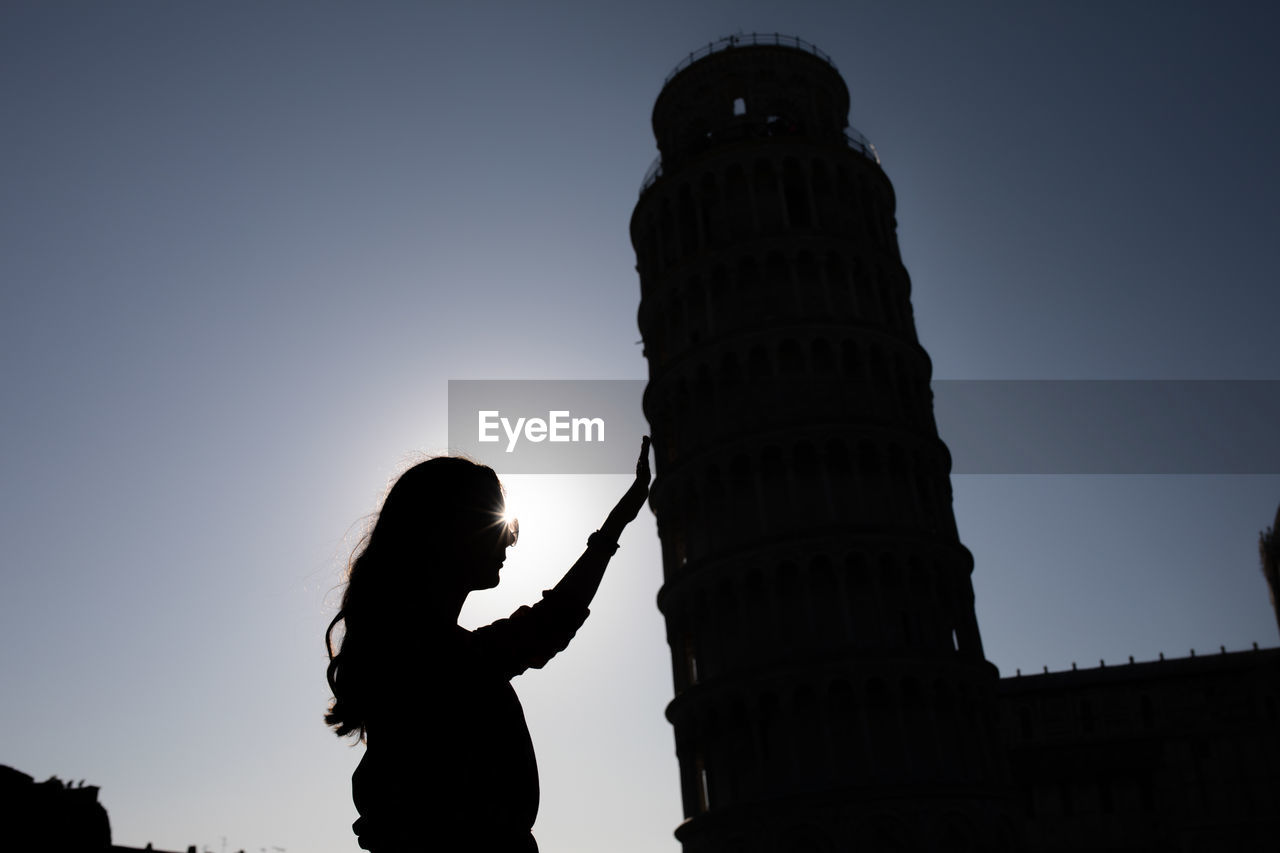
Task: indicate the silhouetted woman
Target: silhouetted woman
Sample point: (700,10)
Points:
(448,762)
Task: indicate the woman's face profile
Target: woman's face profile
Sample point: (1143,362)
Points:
(484,538)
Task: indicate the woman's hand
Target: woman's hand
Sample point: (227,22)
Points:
(629,506)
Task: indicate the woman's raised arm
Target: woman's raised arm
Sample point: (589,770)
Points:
(533,635)
(583,578)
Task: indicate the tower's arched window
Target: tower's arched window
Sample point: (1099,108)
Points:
(864,211)
(886,743)
(812,501)
(696,297)
(690,655)
(858,288)
(842,711)
(703,782)
(702,665)
(796,191)
(721,301)
(742,490)
(754,299)
(829,616)
(737,202)
(1086,716)
(730,371)
(703,385)
(729,620)
(850,363)
(767,199)
(916,492)
(693,522)
(868,459)
(793,616)
(824,362)
(898,479)
(713,223)
(880,382)
(890,575)
(769,736)
(847,203)
(757,613)
(757,364)
(790,361)
(824,200)
(840,474)
(823,107)
(886,304)
(779,298)
(904,385)
(717,512)
(954,835)
(773,484)
(928,507)
(813,297)
(917,603)
(919,742)
(740,755)
(949,750)
(864,612)
(688,223)
(968,733)
(811,749)
(839,293)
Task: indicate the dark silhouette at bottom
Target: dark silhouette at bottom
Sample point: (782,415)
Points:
(449,763)
(51,816)
(56,817)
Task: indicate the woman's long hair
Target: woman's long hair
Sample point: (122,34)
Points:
(431,509)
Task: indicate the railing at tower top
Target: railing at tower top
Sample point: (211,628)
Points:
(729,42)
(861,144)
(852,138)
(652,175)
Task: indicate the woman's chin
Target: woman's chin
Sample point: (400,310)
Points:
(487,579)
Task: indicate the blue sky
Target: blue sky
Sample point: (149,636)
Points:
(246,245)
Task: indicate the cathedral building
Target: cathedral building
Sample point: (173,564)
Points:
(831,690)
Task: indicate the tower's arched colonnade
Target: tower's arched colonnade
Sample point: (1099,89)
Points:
(831,691)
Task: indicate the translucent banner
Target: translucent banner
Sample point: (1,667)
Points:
(990,426)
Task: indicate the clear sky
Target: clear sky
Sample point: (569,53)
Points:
(246,244)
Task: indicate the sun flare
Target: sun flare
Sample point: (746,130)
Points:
(509,522)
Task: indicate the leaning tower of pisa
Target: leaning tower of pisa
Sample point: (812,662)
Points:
(831,691)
